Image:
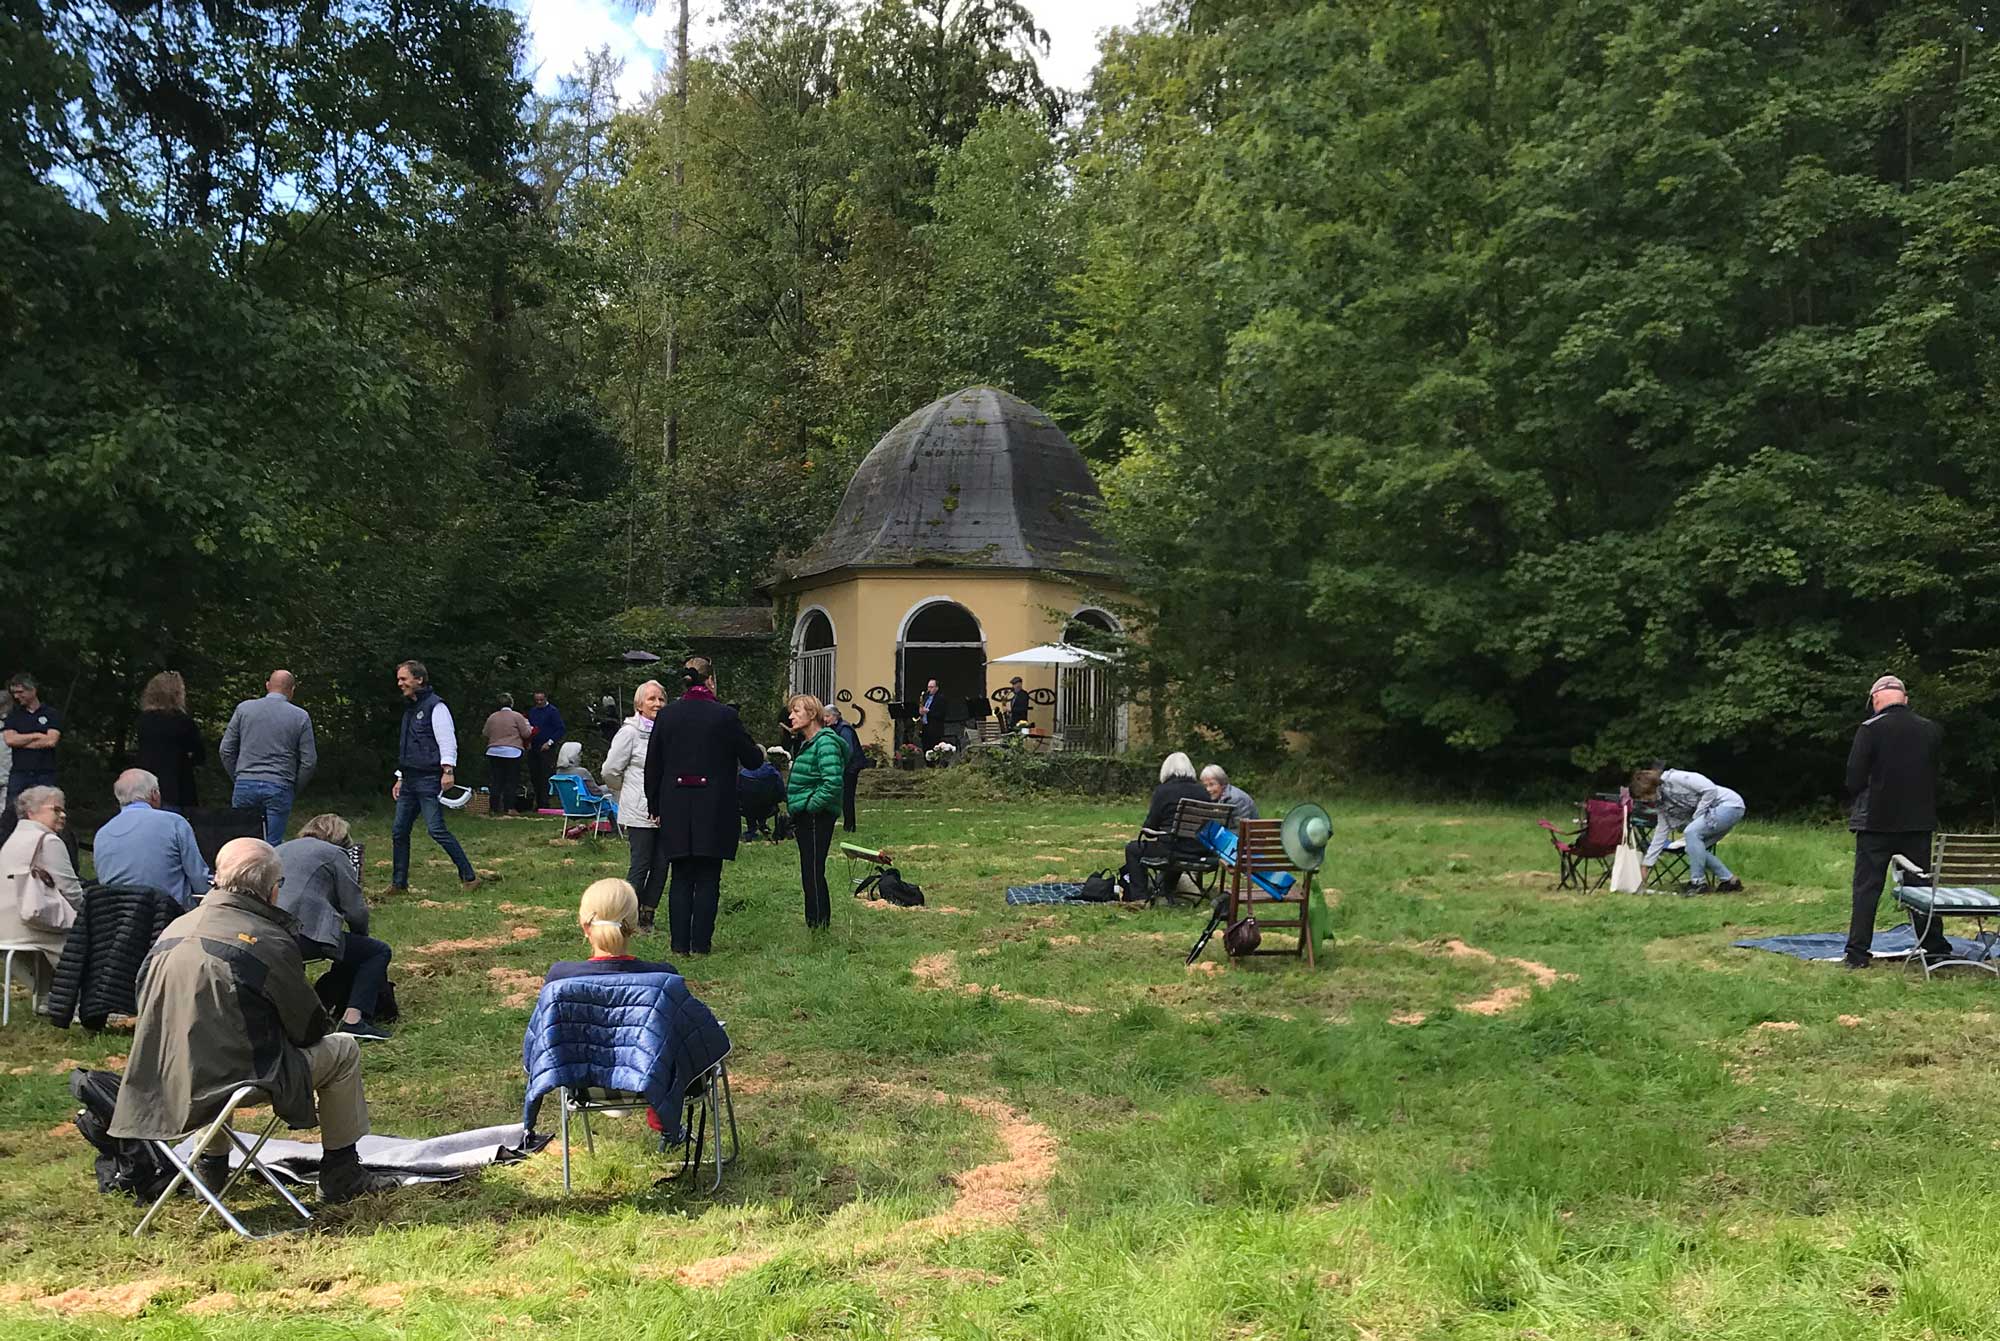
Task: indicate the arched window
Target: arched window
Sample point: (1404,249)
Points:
(942,641)
(1089,714)
(813,651)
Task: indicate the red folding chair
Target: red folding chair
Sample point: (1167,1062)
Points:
(1585,852)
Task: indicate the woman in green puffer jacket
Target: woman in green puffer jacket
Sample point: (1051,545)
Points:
(813,797)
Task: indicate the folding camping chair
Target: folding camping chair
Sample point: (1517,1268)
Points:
(1178,851)
(578,805)
(1584,853)
(872,860)
(1964,869)
(708,1101)
(184,1169)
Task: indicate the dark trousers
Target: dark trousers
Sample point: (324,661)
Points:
(1872,852)
(647,872)
(420,793)
(369,960)
(541,764)
(693,895)
(847,800)
(503,775)
(815,833)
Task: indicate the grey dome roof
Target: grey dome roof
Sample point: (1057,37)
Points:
(979,479)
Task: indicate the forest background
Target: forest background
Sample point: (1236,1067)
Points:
(1497,392)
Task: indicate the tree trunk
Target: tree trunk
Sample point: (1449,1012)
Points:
(671,447)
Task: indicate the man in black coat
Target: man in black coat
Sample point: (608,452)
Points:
(698,744)
(1892,779)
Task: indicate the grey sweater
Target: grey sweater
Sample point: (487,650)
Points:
(321,891)
(270,739)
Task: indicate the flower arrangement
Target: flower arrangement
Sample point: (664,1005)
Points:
(941,752)
(906,755)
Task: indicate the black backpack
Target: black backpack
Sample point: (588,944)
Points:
(132,1167)
(1098,887)
(889,883)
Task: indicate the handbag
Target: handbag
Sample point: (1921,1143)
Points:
(42,904)
(1242,938)
(1628,875)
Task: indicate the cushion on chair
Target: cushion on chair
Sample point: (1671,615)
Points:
(1947,899)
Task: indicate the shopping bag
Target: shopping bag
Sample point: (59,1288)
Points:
(1627,875)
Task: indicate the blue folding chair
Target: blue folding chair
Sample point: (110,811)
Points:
(579,806)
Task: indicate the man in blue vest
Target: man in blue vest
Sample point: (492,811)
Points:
(426,760)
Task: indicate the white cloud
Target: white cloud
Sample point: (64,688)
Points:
(561,32)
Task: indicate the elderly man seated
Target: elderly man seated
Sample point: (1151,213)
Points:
(145,846)
(1220,789)
(224,1002)
(322,892)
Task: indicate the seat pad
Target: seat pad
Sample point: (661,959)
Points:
(1947,899)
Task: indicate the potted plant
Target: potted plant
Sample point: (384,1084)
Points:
(906,755)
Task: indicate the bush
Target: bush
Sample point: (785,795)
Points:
(1018,769)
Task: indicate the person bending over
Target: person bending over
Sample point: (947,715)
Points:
(759,792)
(224,1002)
(322,892)
(1701,811)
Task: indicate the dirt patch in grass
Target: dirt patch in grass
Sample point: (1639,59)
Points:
(478,942)
(995,1193)
(1779,1027)
(921,908)
(1526,879)
(452,905)
(939,973)
(517,987)
(533,910)
(712,1271)
(120,1301)
(222,1301)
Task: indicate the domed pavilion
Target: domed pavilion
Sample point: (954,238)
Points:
(968,533)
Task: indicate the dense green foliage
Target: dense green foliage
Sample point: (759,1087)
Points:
(1487,389)
(1570,383)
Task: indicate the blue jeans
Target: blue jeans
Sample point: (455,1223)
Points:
(1701,835)
(420,792)
(273,798)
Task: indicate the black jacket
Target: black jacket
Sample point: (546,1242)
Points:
(99,971)
(1892,773)
(697,746)
(170,748)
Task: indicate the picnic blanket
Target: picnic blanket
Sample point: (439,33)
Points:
(435,1159)
(1893,943)
(1054,891)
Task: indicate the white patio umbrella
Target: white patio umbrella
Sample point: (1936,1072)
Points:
(1049,654)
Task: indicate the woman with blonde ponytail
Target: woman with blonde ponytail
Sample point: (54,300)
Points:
(608,916)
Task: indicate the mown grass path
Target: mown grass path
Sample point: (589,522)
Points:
(1496,1110)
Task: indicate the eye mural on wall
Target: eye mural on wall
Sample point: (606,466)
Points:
(878,694)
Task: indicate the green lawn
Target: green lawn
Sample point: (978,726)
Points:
(972,1120)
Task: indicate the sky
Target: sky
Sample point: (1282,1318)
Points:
(561,31)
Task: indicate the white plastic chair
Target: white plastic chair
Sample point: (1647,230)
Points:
(7,980)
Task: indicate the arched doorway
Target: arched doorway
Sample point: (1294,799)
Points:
(1089,712)
(941,640)
(813,652)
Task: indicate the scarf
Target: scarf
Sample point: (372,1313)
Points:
(644,723)
(700,691)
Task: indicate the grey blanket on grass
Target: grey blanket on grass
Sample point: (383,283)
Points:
(433,1159)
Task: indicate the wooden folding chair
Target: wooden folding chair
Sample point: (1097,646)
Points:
(1259,881)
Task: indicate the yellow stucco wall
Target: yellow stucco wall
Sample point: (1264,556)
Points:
(869,612)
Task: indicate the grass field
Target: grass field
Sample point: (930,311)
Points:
(977,1121)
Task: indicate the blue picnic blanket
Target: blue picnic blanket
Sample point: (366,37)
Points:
(1054,891)
(1893,943)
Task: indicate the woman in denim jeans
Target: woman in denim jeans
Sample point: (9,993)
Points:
(1701,811)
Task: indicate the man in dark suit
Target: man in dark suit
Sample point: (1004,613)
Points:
(698,745)
(1018,705)
(1892,779)
(930,715)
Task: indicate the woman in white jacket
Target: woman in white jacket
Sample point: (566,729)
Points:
(625,777)
(40,894)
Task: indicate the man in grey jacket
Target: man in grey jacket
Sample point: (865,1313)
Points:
(223,1002)
(269,754)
